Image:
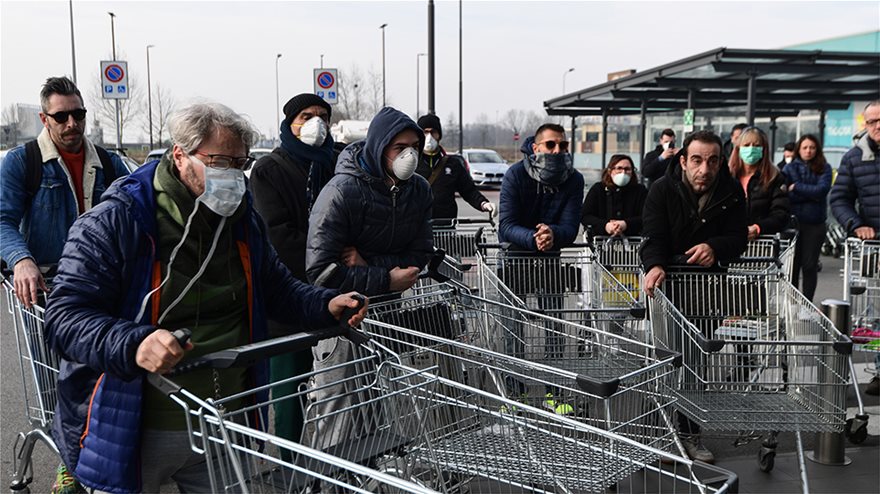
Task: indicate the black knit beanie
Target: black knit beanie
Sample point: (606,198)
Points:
(431,121)
(302,101)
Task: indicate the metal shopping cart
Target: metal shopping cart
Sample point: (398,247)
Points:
(757,356)
(363,429)
(483,437)
(598,378)
(776,253)
(39,374)
(458,238)
(861,282)
(565,284)
(620,256)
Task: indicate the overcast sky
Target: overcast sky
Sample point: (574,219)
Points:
(515,53)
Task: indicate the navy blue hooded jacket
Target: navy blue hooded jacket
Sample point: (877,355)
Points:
(809,196)
(389,226)
(525,203)
(107,267)
(858,178)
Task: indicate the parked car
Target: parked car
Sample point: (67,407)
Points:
(486,167)
(130,164)
(154,155)
(257,153)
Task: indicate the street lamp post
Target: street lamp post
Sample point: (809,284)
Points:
(277,93)
(564,75)
(116,101)
(382,27)
(322,60)
(149,97)
(72,44)
(418,76)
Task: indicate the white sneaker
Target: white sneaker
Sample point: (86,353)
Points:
(693,446)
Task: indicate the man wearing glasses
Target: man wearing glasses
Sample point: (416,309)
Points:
(47,183)
(541,196)
(858,180)
(176,244)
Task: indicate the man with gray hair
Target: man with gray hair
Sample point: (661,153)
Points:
(177,244)
(47,183)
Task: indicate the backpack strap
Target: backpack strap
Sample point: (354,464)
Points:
(107,164)
(33,172)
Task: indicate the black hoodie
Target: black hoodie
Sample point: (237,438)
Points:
(673,222)
(389,226)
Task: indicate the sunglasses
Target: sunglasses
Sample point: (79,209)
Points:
(61,116)
(551,145)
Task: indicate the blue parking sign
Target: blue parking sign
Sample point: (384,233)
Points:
(120,89)
(320,94)
(108,89)
(331,95)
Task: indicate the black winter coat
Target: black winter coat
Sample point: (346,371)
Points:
(603,204)
(278,184)
(453,177)
(768,207)
(673,223)
(858,180)
(357,209)
(653,167)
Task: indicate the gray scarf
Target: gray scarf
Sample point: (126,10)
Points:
(550,169)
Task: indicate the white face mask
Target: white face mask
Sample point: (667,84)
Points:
(620,179)
(404,165)
(313,132)
(431,144)
(788,159)
(224,189)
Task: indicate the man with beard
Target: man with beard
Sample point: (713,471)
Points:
(47,183)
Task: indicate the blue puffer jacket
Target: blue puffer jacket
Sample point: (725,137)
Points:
(525,203)
(389,226)
(106,269)
(858,178)
(809,195)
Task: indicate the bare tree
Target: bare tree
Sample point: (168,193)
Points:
(10,125)
(163,105)
(351,94)
(374,91)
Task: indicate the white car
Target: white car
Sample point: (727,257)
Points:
(257,153)
(486,167)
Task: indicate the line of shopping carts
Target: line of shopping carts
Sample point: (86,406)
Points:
(504,370)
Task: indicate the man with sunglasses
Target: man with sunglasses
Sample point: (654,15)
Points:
(34,218)
(541,196)
(176,244)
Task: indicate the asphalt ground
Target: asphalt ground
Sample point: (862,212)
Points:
(863,475)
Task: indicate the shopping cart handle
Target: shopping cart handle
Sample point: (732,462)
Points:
(432,271)
(596,387)
(47,270)
(664,354)
(709,345)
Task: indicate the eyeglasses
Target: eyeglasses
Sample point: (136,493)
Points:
(870,123)
(223,162)
(61,116)
(622,169)
(551,145)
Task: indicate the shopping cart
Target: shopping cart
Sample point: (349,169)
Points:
(565,284)
(620,256)
(776,251)
(598,378)
(758,356)
(39,374)
(362,432)
(861,282)
(458,238)
(492,443)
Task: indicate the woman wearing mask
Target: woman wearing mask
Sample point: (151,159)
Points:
(809,180)
(614,205)
(763,184)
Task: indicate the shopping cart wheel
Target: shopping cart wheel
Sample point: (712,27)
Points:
(766,459)
(856,429)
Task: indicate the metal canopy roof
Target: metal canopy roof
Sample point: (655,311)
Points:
(783,82)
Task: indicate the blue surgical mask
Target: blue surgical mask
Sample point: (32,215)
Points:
(751,154)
